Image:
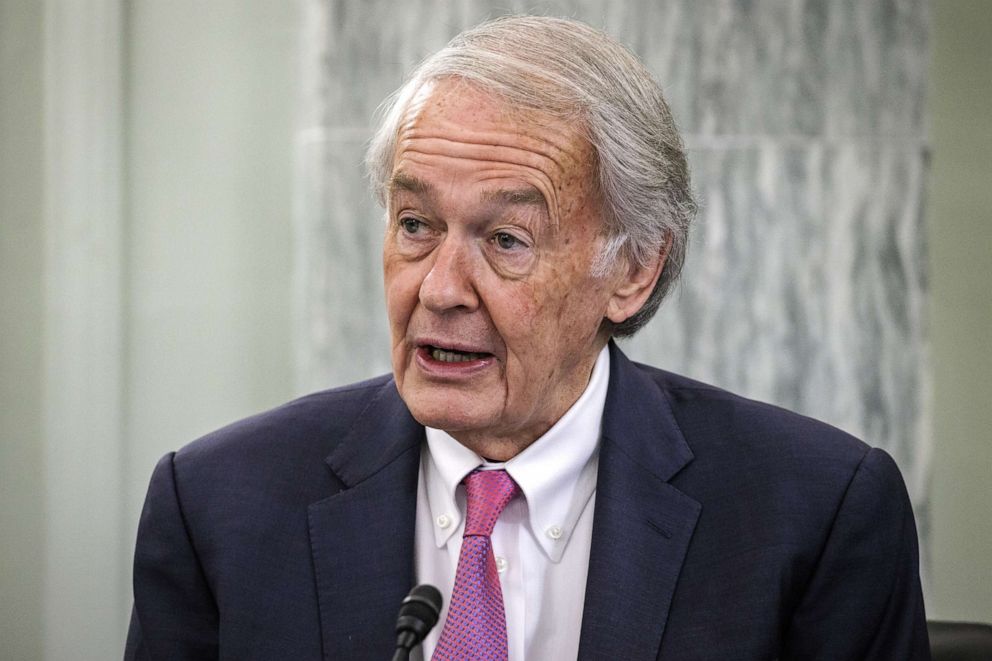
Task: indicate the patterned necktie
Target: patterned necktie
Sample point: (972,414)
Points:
(476,624)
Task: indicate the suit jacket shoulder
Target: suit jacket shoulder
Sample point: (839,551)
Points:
(241,552)
(804,545)
(309,425)
(720,422)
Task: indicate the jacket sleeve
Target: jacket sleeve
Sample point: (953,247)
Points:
(864,600)
(174,615)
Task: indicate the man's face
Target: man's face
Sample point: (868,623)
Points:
(494,224)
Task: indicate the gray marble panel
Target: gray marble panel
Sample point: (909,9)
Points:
(809,67)
(371,45)
(878,58)
(760,69)
(806,287)
(342,334)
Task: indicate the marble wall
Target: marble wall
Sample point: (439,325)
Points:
(806,283)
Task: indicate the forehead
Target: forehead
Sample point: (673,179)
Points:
(457,119)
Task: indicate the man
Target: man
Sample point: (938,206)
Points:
(537,203)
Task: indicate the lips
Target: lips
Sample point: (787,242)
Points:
(453,355)
(447,353)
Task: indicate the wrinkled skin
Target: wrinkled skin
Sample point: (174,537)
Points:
(494,223)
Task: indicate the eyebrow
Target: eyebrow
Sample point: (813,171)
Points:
(526,196)
(403,182)
(523,196)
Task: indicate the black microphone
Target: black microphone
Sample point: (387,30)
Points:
(418,615)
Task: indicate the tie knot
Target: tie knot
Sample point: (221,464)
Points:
(487,493)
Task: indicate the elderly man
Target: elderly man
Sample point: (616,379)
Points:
(567,502)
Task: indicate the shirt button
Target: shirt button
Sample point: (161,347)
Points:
(500,564)
(443,521)
(554,532)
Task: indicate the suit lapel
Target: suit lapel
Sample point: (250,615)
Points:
(642,525)
(362,538)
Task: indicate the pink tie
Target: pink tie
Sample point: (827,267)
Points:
(476,624)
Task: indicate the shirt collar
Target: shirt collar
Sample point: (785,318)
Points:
(556,473)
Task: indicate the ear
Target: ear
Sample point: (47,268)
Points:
(634,286)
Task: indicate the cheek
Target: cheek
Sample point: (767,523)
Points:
(516,315)
(579,309)
(533,324)
(402,292)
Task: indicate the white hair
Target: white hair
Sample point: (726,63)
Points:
(578,74)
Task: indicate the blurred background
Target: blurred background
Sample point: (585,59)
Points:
(186,238)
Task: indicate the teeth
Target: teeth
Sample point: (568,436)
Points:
(454,356)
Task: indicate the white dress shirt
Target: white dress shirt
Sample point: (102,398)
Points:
(541,540)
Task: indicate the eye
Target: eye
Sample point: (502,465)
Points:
(410,225)
(511,251)
(506,241)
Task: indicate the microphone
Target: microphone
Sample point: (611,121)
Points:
(418,615)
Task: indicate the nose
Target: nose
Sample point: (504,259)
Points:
(449,284)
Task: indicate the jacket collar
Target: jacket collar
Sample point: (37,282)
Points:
(642,524)
(639,421)
(362,538)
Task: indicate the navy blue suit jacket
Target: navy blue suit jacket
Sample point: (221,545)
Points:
(724,529)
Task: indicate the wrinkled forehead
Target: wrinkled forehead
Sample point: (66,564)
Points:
(481,134)
(460,109)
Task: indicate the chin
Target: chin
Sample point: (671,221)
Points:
(449,421)
(450,413)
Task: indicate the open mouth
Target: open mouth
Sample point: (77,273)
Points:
(453,355)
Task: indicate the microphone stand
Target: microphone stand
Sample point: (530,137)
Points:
(404,645)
